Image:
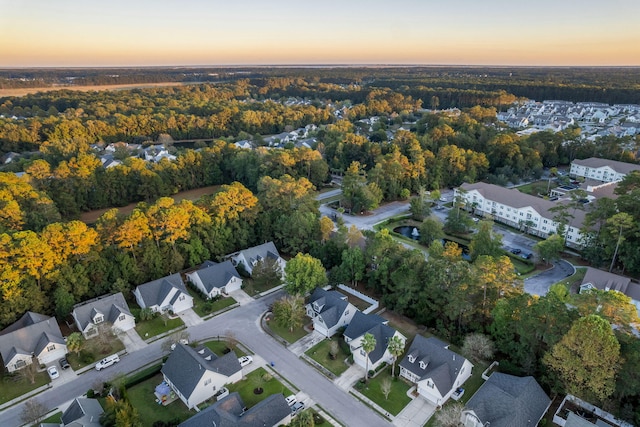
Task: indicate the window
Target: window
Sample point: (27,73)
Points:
(346,312)
(121,318)
(412,359)
(51,347)
(429,384)
(98,319)
(422,365)
(362,352)
(181,297)
(20,363)
(207,381)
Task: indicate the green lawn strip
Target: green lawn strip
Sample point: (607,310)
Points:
(219,348)
(15,385)
(204,308)
(142,398)
(320,353)
(575,277)
(156,326)
(253,288)
(289,336)
(254,380)
(398,398)
(53,419)
(92,351)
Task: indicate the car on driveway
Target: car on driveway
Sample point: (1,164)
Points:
(53,372)
(516,251)
(291,400)
(526,255)
(297,407)
(245,360)
(64,364)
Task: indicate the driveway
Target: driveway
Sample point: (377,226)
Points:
(132,341)
(241,296)
(416,413)
(305,343)
(189,317)
(349,377)
(540,284)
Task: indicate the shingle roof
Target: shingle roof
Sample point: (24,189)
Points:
(29,318)
(186,366)
(442,364)
(263,251)
(111,306)
(376,326)
(155,292)
(216,275)
(595,162)
(605,280)
(34,333)
(332,303)
(228,413)
(509,401)
(574,420)
(83,412)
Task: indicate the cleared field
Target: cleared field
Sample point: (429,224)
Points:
(92,216)
(29,90)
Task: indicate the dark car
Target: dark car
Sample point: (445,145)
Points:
(526,256)
(63,363)
(516,251)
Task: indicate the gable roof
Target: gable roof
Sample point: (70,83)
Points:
(442,364)
(605,280)
(332,304)
(216,275)
(376,326)
(156,291)
(596,162)
(186,366)
(228,412)
(111,306)
(509,401)
(83,412)
(29,335)
(260,252)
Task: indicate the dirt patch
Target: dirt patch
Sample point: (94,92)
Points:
(29,90)
(403,324)
(92,216)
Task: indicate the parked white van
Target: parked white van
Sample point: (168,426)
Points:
(107,361)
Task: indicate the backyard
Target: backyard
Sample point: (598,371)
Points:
(14,385)
(142,398)
(320,353)
(398,398)
(156,326)
(93,350)
(255,380)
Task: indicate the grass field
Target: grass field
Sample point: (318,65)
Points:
(156,326)
(320,353)
(14,385)
(289,336)
(142,398)
(96,349)
(255,380)
(398,398)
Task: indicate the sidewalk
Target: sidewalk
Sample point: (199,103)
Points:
(132,340)
(305,343)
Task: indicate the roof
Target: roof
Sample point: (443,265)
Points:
(83,412)
(509,401)
(111,306)
(156,291)
(228,412)
(29,335)
(574,420)
(332,305)
(376,326)
(216,275)
(620,167)
(606,281)
(263,251)
(442,364)
(186,366)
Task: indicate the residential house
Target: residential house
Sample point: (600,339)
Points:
(601,169)
(34,335)
(250,257)
(215,279)
(166,294)
(230,412)
(330,311)
(244,144)
(197,374)
(155,153)
(605,281)
(377,326)
(575,412)
(506,401)
(531,214)
(435,370)
(110,308)
(82,412)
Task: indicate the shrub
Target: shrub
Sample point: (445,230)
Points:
(86,357)
(90,393)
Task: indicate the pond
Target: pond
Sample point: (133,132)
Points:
(413,233)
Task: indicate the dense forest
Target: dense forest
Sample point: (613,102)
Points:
(51,260)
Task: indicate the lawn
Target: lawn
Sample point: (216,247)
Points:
(254,380)
(289,336)
(253,288)
(142,398)
(320,353)
(157,326)
(14,385)
(398,398)
(204,308)
(575,277)
(53,419)
(92,351)
(221,347)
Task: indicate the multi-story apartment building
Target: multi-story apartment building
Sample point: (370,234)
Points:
(601,169)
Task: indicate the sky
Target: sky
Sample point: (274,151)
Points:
(103,33)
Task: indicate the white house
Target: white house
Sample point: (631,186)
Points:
(436,370)
(34,335)
(377,326)
(601,169)
(197,374)
(215,279)
(165,294)
(110,308)
(329,310)
(250,257)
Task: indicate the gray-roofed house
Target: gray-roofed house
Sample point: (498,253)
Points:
(436,370)
(82,412)
(605,281)
(329,310)
(33,335)
(215,279)
(166,294)
(506,401)
(377,326)
(108,308)
(250,257)
(230,412)
(197,374)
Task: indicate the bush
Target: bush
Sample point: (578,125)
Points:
(90,393)
(86,357)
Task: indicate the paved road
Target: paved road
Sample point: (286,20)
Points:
(540,284)
(244,321)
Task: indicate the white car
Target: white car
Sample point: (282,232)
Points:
(245,360)
(107,361)
(291,400)
(53,372)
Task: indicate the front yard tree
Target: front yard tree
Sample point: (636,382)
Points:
(449,415)
(396,348)
(385,387)
(587,358)
(551,248)
(289,312)
(304,273)
(266,274)
(368,345)
(33,412)
(74,342)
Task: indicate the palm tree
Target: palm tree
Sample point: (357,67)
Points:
(74,342)
(368,345)
(396,348)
